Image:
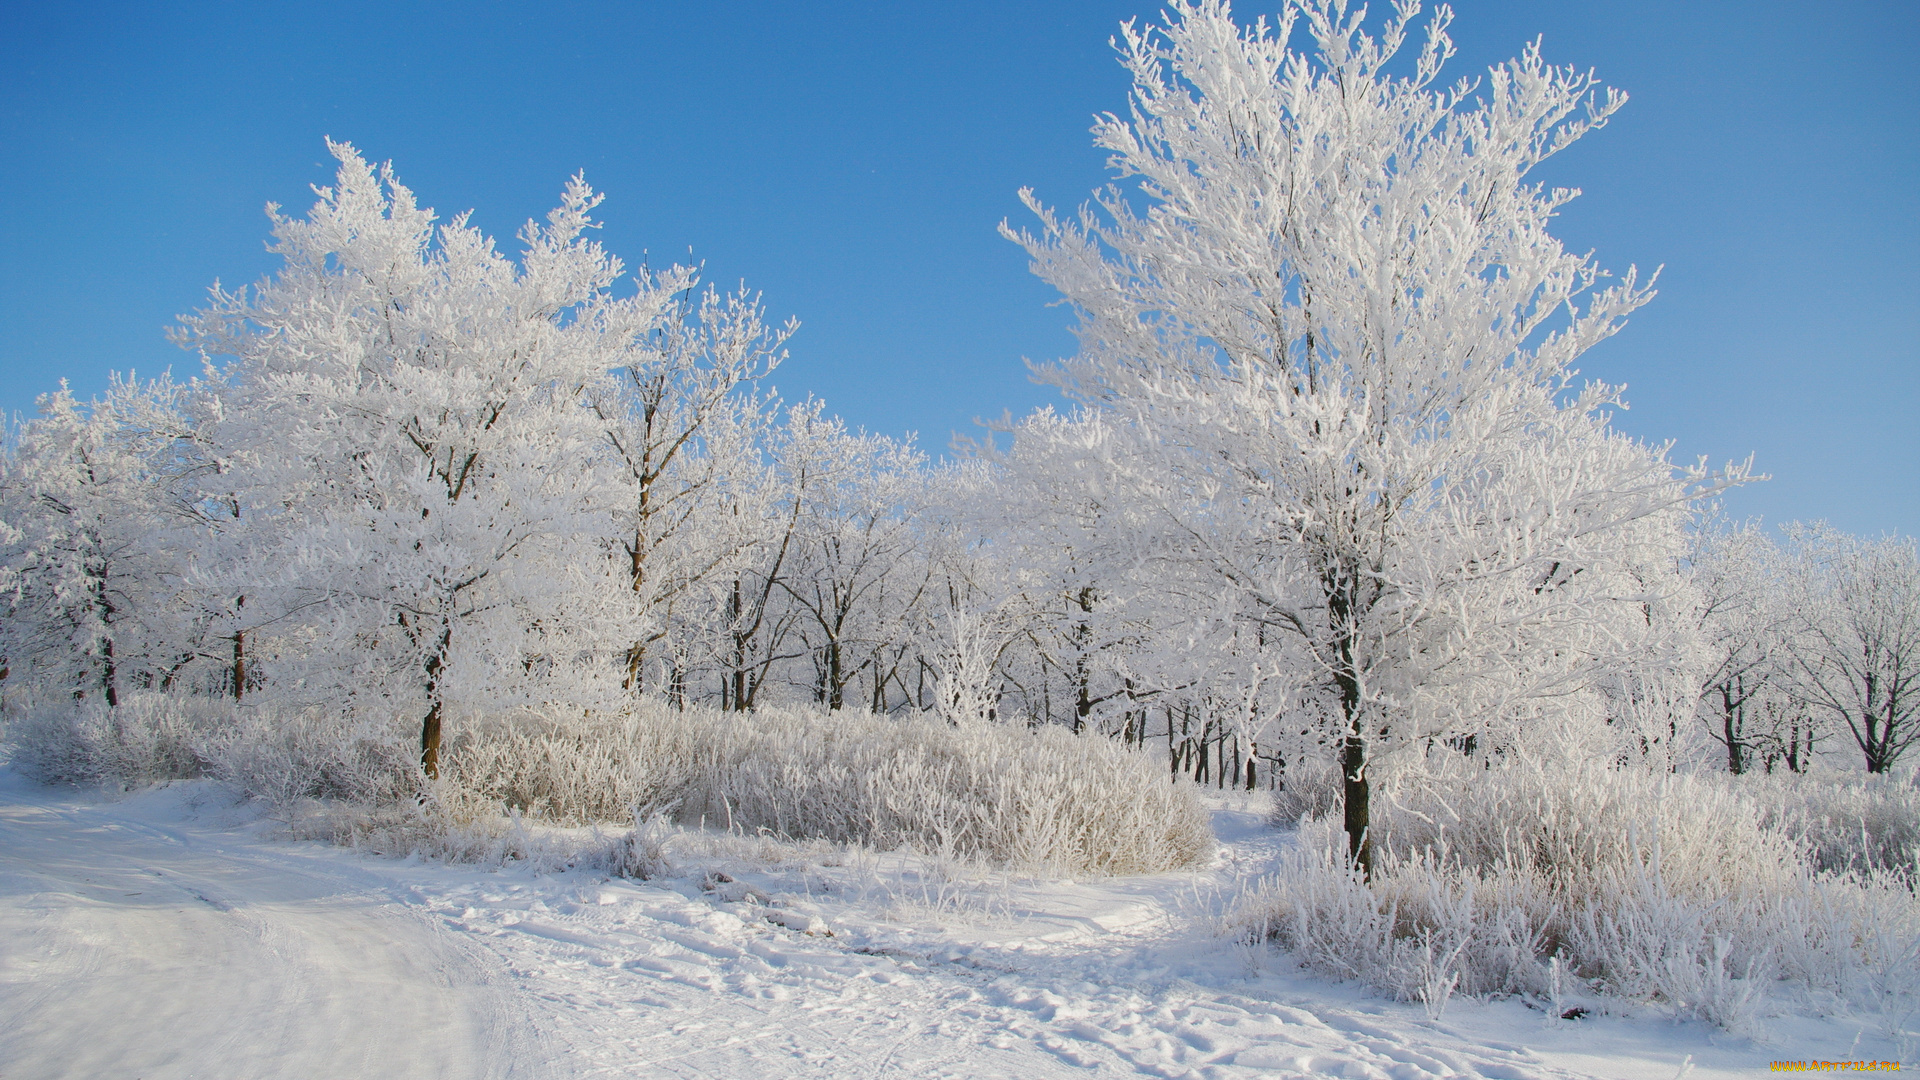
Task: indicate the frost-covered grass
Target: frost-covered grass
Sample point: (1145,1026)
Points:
(149,740)
(1718,898)
(1846,821)
(1043,801)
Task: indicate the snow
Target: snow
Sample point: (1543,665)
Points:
(173,933)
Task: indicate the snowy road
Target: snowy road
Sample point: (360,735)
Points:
(129,948)
(166,936)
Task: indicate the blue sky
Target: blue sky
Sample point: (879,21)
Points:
(851,161)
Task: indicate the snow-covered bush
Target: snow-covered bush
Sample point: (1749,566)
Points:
(1038,800)
(1306,789)
(279,755)
(1043,800)
(287,757)
(1845,821)
(147,739)
(1637,885)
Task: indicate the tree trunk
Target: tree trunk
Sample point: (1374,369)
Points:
(636,579)
(836,692)
(108,674)
(239,669)
(1355,792)
(1736,762)
(239,664)
(636,661)
(1356,787)
(430,726)
(739,653)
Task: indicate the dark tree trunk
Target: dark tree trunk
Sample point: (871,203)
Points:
(430,726)
(836,686)
(239,664)
(1343,605)
(1730,720)
(1356,792)
(108,675)
(739,652)
(1356,787)
(239,673)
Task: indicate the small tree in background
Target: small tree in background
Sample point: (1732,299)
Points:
(1746,619)
(93,542)
(1858,655)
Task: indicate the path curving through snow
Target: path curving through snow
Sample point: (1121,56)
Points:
(132,947)
(168,935)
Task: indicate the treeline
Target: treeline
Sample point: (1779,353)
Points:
(1329,497)
(418,477)
(421,478)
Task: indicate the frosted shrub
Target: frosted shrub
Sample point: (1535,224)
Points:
(279,755)
(1845,822)
(287,756)
(1641,886)
(1043,800)
(581,768)
(1305,789)
(149,739)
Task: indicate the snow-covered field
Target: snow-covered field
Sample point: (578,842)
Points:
(173,933)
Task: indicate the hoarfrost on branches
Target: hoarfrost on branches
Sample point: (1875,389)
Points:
(1340,340)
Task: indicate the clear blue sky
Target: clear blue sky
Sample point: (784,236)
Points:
(851,161)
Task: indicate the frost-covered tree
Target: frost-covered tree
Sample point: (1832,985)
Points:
(92,541)
(1858,653)
(856,572)
(1746,615)
(1337,322)
(685,428)
(1067,524)
(407,436)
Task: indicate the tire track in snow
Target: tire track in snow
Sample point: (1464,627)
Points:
(137,941)
(128,948)
(648,980)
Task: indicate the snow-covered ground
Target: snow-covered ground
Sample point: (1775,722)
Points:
(172,934)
